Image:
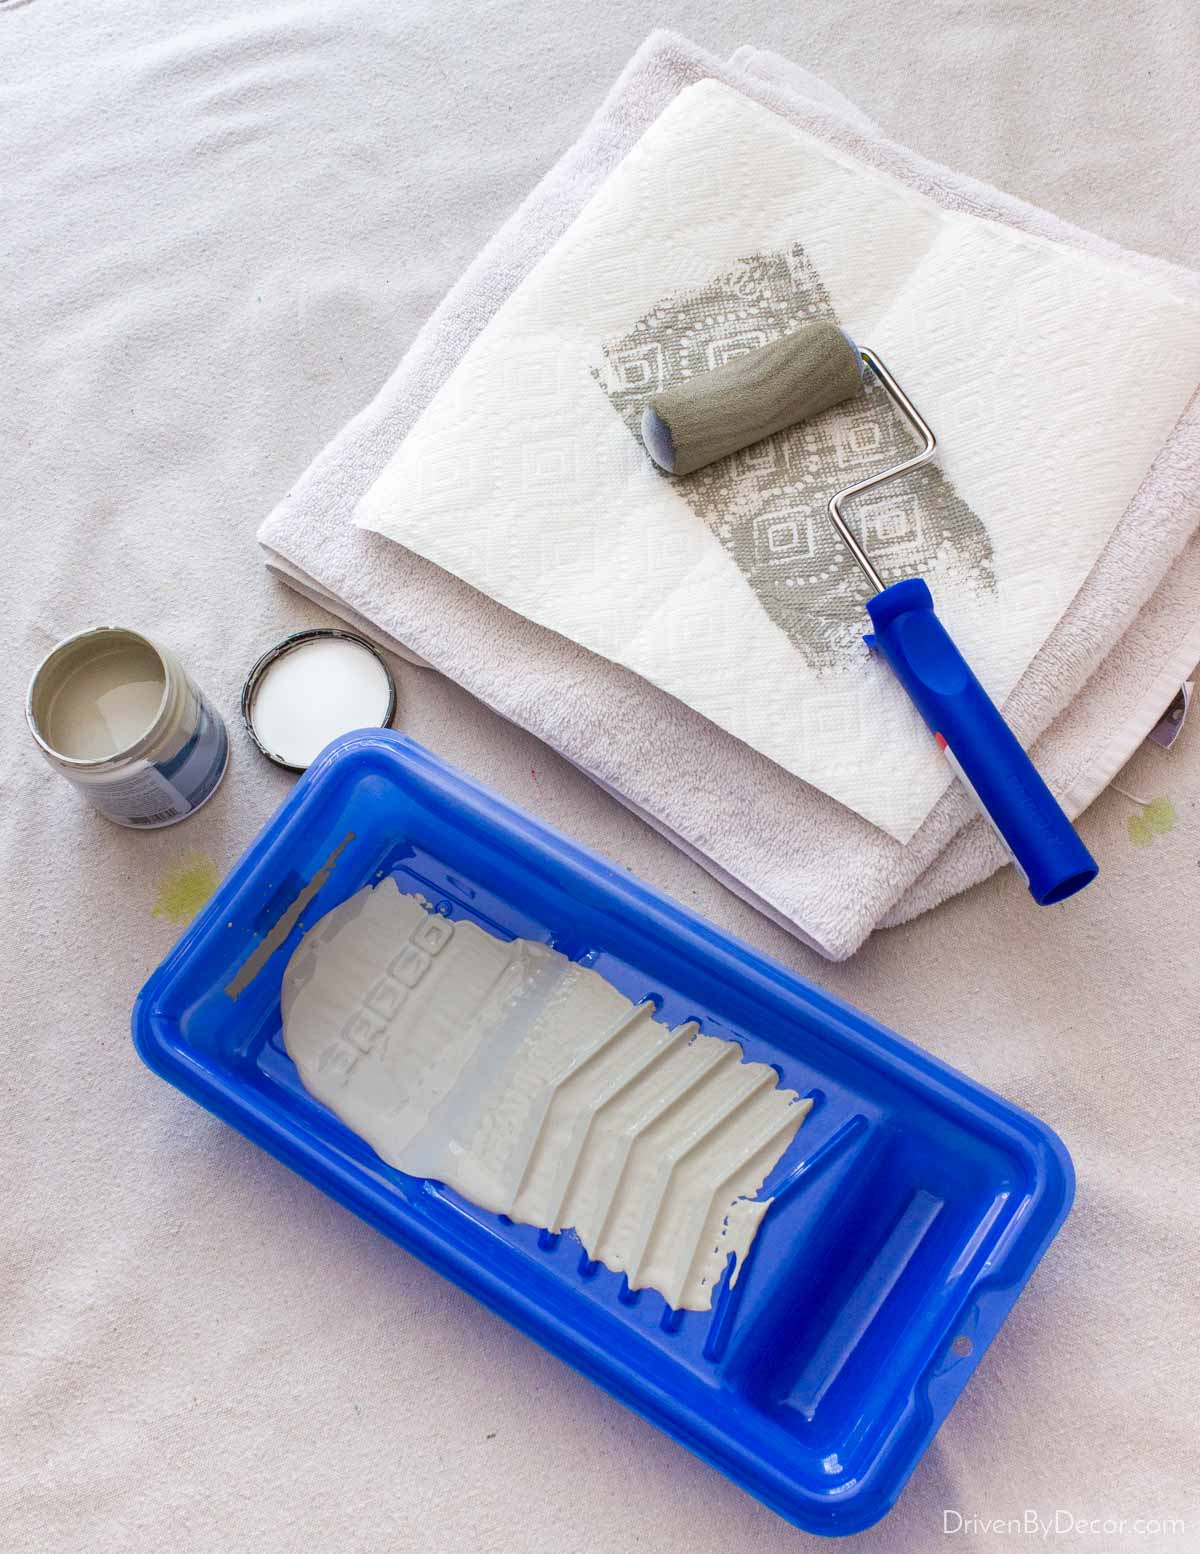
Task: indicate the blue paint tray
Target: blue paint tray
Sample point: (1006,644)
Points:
(910,1208)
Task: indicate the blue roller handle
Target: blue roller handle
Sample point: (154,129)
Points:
(984,750)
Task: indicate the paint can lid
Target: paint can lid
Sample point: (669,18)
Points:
(311,687)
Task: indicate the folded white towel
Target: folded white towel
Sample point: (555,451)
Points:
(807,861)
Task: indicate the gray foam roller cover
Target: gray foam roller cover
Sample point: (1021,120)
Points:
(750,397)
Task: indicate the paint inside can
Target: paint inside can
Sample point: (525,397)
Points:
(117,715)
(312,687)
(106,701)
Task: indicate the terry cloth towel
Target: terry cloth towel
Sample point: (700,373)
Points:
(1129,635)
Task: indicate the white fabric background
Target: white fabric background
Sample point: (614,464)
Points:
(220,230)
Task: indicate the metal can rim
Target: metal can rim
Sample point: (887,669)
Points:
(265,660)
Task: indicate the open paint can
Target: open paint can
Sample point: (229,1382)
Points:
(116,714)
(310,688)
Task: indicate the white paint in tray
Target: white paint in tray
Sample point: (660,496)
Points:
(535,1089)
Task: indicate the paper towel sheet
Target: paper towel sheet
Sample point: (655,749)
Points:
(1050,376)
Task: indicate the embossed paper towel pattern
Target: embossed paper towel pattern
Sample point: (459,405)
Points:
(1051,377)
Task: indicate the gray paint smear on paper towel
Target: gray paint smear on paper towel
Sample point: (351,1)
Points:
(768,504)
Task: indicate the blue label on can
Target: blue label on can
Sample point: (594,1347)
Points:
(175,787)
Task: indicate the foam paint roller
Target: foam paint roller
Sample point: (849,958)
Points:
(752,396)
(761,392)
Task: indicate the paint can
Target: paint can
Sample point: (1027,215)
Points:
(117,715)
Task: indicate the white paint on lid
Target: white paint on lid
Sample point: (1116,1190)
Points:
(316,690)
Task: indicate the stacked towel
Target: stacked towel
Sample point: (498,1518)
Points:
(820,870)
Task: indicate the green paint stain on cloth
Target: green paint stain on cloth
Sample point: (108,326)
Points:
(185,887)
(1157,817)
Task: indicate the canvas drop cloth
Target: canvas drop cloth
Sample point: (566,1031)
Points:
(223,226)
